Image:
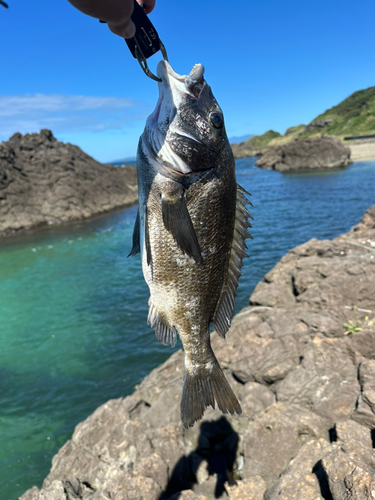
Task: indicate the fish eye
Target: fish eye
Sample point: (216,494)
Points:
(217,119)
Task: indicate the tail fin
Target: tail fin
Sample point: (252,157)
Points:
(201,390)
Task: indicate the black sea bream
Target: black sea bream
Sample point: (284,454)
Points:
(191,229)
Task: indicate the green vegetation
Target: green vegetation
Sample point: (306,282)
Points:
(358,326)
(259,141)
(353,116)
(290,134)
(294,130)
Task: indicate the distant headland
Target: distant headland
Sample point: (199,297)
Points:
(351,123)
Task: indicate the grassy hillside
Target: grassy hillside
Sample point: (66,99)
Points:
(353,116)
(259,141)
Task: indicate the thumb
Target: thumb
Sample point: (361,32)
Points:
(125,29)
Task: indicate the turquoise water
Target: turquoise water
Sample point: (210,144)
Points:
(73,330)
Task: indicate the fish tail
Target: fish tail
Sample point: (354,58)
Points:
(201,388)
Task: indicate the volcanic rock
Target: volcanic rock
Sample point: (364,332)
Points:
(305,382)
(316,153)
(44,181)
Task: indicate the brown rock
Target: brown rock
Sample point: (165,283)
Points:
(44,181)
(348,477)
(255,398)
(356,440)
(252,488)
(311,274)
(276,436)
(298,480)
(325,382)
(55,491)
(315,153)
(365,411)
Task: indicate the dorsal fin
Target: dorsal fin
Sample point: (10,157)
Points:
(164,333)
(225,306)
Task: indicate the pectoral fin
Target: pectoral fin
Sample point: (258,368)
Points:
(177,221)
(136,237)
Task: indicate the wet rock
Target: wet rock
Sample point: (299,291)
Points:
(315,153)
(45,182)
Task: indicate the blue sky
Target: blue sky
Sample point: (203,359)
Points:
(271,64)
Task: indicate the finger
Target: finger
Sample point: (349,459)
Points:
(125,30)
(148,5)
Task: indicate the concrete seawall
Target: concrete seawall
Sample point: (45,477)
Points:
(361,149)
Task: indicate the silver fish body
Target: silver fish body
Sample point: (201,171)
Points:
(191,230)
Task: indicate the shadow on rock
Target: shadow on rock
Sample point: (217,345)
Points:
(209,466)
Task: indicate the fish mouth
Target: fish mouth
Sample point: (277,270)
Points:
(161,128)
(173,89)
(165,72)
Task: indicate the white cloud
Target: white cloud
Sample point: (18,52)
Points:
(65,113)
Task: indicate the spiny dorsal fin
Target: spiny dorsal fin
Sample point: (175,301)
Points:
(164,333)
(225,306)
(136,237)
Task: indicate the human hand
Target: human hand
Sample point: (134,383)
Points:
(116,13)
(125,27)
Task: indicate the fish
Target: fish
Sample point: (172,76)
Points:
(190,229)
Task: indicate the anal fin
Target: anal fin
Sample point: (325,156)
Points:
(164,333)
(226,303)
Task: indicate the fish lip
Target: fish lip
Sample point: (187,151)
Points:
(173,87)
(164,71)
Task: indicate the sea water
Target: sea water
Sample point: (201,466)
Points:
(73,307)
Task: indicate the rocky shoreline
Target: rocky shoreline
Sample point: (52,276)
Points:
(305,381)
(325,152)
(46,182)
